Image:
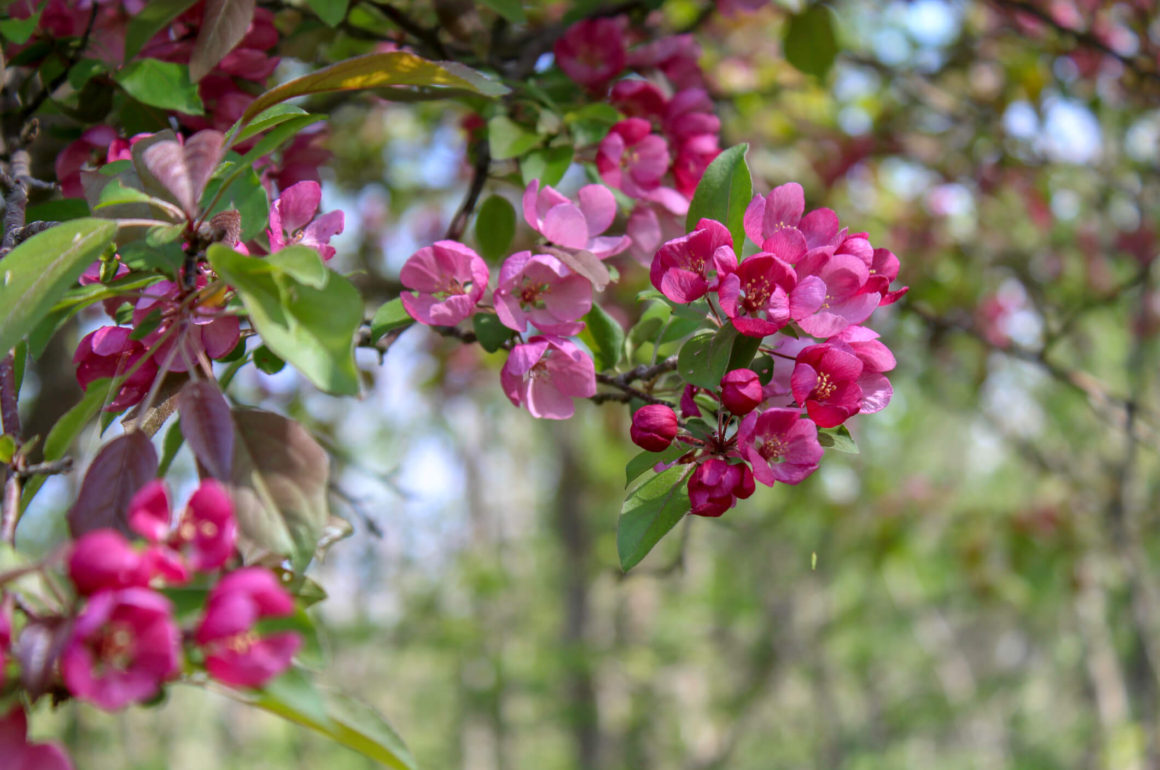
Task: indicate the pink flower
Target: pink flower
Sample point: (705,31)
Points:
(686,268)
(651,224)
(19,754)
(636,98)
(741,391)
(103,560)
(545,374)
(539,288)
(123,647)
(676,56)
(781,210)
(632,158)
(108,352)
(689,114)
(234,653)
(592,52)
(90,149)
(780,444)
(756,296)
(716,485)
(5,631)
(654,426)
(825,382)
(833,293)
(883,270)
(876,358)
(574,226)
(450,279)
(207,532)
(292,220)
(694,156)
(203,329)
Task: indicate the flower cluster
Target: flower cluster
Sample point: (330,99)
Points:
(805,295)
(121,641)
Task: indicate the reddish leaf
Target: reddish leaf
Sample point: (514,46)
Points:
(207,427)
(121,468)
(223,27)
(587,264)
(203,152)
(37,648)
(183,171)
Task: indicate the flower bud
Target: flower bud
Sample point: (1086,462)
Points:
(654,427)
(741,391)
(715,486)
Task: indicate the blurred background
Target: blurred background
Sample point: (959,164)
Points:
(978,588)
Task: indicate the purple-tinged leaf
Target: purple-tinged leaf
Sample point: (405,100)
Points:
(203,153)
(166,162)
(122,467)
(585,263)
(207,427)
(38,648)
(223,26)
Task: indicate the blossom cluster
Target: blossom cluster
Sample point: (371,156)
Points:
(120,640)
(805,295)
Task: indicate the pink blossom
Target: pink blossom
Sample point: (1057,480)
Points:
(651,224)
(741,391)
(89,150)
(234,653)
(206,533)
(19,754)
(108,352)
(676,56)
(185,333)
(633,159)
(780,444)
(545,374)
(694,156)
(756,296)
(540,289)
(716,485)
(5,631)
(636,98)
(103,560)
(825,382)
(876,358)
(292,220)
(654,426)
(686,268)
(572,225)
(834,292)
(592,52)
(124,646)
(690,113)
(781,212)
(450,280)
(883,270)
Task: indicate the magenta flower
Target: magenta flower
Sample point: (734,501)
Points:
(780,444)
(694,156)
(540,289)
(592,52)
(234,653)
(652,223)
(636,98)
(571,225)
(206,533)
(450,280)
(716,485)
(756,296)
(876,358)
(676,56)
(690,113)
(686,268)
(741,391)
(89,150)
(293,220)
(108,352)
(633,159)
(103,560)
(123,647)
(545,374)
(883,270)
(19,754)
(654,426)
(5,632)
(781,211)
(825,382)
(833,293)
(185,333)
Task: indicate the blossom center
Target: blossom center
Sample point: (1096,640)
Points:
(114,648)
(772,448)
(532,294)
(757,293)
(825,386)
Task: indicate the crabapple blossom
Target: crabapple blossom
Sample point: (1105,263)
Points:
(540,289)
(185,332)
(104,560)
(124,645)
(825,382)
(206,532)
(781,211)
(574,225)
(450,280)
(756,296)
(545,374)
(837,296)
(19,754)
(637,98)
(780,444)
(633,159)
(741,391)
(109,352)
(686,268)
(654,426)
(716,485)
(234,653)
(592,52)
(293,220)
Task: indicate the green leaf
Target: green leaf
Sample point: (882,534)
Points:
(810,43)
(279,484)
(376,70)
(838,439)
(276,115)
(591,123)
(490,331)
(604,336)
(19,30)
(7,449)
(724,193)
(312,328)
(646,461)
(294,697)
(161,84)
(82,72)
(39,271)
(512,10)
(744,348)
(266,361)
(548,165)
(223,25)
(508,139)
(392,315)
(155,15)
(704,359)
(495,226)
(170,446)
(245,194)
(330,11)
(649,512)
